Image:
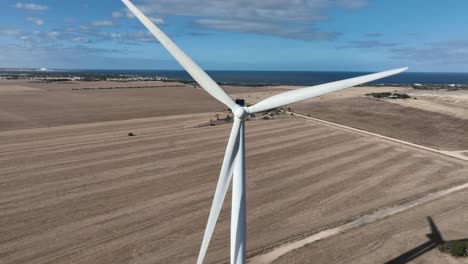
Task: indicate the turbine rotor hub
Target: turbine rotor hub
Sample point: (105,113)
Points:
(241,112)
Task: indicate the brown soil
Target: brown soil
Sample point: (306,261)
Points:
(28,104)
(60,105)
(91,194)
(393,239)
(418,126)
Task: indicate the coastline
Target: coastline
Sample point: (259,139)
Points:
(424,81)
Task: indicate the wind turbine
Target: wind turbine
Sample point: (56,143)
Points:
(234,158)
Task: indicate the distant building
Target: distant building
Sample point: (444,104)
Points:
(43,69)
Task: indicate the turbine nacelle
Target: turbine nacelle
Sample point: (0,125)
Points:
(241,112)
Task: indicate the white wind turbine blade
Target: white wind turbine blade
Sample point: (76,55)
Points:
(189,65)
(225,177)
(298,95)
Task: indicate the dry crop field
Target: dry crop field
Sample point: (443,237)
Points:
(87,192)
(418,126)
(437,119)
(58,104)
(91,194)
(27,104)
(400,238)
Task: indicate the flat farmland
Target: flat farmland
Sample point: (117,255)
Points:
(432,129)
(435,119)
(401,238)
(27,104)
(88,193)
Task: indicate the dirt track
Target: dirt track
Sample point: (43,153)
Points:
(418,126)
(88,193)
(91,194)
(398,238)
(437,119)
(361,221)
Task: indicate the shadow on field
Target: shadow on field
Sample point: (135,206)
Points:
(457,248)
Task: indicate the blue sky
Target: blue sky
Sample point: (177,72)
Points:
(308,35)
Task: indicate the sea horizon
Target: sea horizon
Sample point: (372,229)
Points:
(213,70)
(262,77)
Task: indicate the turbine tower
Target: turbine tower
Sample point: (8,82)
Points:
(234,158)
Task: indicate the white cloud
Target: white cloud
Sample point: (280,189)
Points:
(297,19)
(142,36)
(10,32)
(129,14)
(117,14)
(453,52)
(53,34)
(369,44)
(30,6)
(374,35)
(353,3)
(266,29)
(271,10)
(85,28)
(36,21)
(155,20)
(103,23)
(80,39)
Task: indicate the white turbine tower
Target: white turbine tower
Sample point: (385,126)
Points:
(234,158)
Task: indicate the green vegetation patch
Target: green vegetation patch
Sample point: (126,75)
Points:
(457,248)
(448,87)
(388,95)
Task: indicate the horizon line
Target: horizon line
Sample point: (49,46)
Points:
(38,69)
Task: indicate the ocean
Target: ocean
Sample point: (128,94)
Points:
(279,77)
